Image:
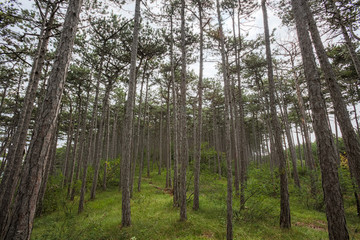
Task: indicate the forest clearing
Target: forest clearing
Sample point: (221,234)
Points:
(179,119)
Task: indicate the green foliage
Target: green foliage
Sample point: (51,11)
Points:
(154,217)
(113,172)
(54,195)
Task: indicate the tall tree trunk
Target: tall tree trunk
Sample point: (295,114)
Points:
(145,117)
(65,170)
(175,120)
(90,145)
(25,205)
(100,139)
(15,154)
(128,124)
(137,137)
(284,113)
(325,145)
(352,143)
(148,147)
(74,156)
(229,212)
(107,139)
(168,134)
(199,116)
(285,221)
(81,144)
(42,191)
(298,144)
(183,154)
(242,141)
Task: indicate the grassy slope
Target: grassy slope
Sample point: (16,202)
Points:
(154,217)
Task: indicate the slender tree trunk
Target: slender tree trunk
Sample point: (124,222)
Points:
(42,191)
(36,159)
(229,212)
(199,116)
(183,154)
(325,145)
(128,124)
(137,137)
(100,139)
(148,147)
(114,137)
(74,156)
(242,141)
(65,171)
(81,145)
(287,125)
(175,120)
(90,146)
(106,149)
(144,122)
(168,134)
(299,145)
(285,221)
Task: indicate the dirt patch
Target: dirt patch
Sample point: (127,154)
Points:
(209,235)
(169,191)
(318,225)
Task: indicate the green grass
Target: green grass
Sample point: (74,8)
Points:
(154,217)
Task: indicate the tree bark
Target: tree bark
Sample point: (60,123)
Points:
(15,154)
(229,212)
(81,145)
(325,145)
(199,114)
(25,205)
(144,121)
(90,146)
(175,120)
(128,124)
(351,141)
(183,154)
(100,139)
(285,221)
(137,137)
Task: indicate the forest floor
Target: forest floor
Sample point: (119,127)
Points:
(154,217)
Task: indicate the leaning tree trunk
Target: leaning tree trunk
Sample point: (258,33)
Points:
(285,221)
(351,141)
(326,150)
(128,124)
(350,46)
(229,213)
(15,154)
(22,217)
(39,205)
